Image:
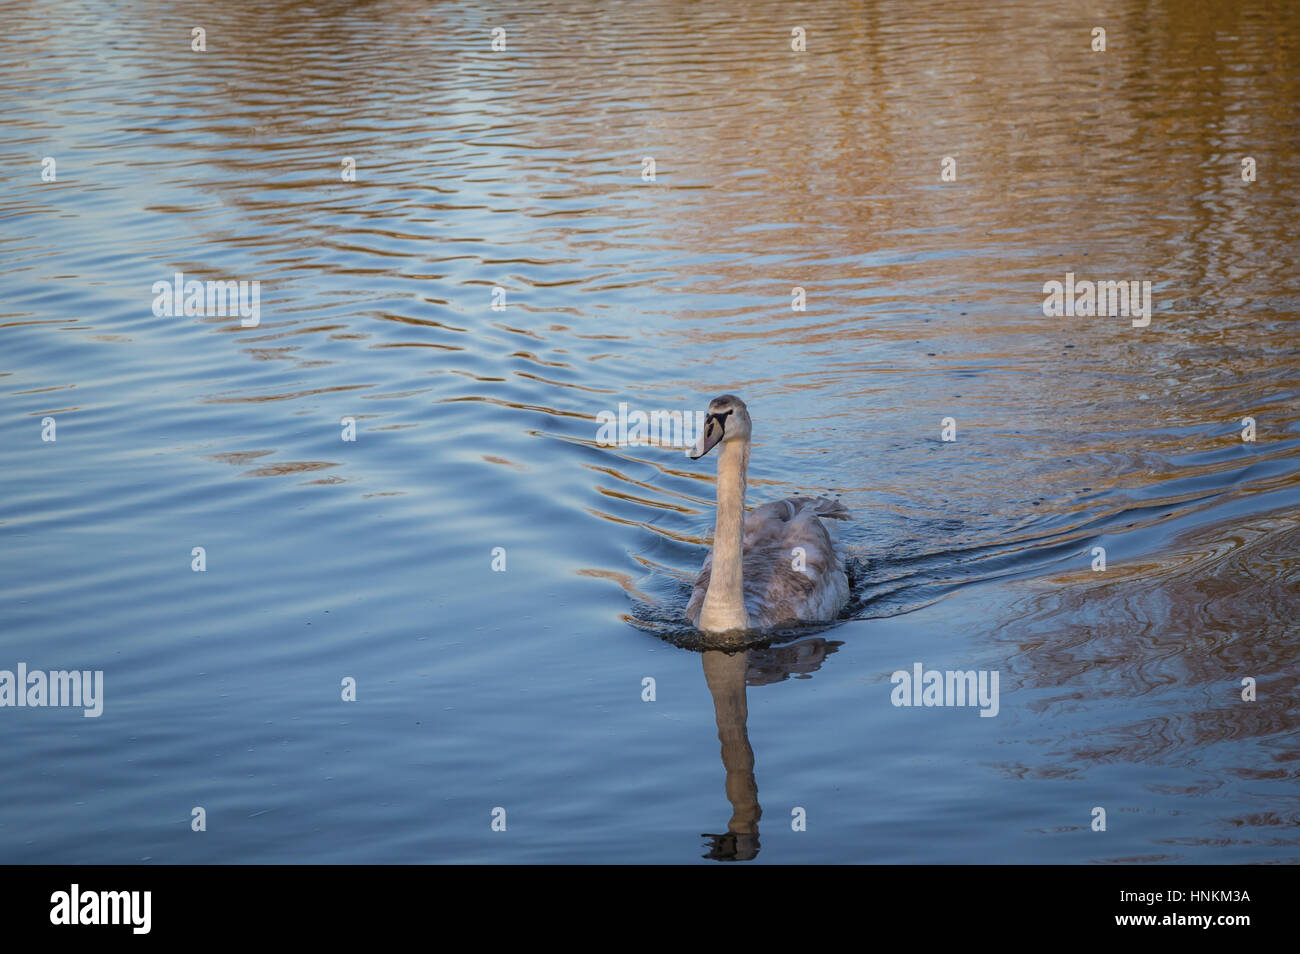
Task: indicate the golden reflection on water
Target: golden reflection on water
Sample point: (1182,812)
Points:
(1217,608)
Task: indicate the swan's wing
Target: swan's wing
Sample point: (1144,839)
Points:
(784,511)
(793,568)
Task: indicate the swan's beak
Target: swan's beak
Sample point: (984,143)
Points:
(714,427)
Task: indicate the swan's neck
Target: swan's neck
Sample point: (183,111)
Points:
(724,603)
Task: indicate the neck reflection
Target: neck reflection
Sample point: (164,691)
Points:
(728,675)
(725,674)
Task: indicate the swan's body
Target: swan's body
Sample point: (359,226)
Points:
(778,564)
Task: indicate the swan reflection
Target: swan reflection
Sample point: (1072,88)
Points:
(728,674)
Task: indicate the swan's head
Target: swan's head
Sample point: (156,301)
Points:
(727,420)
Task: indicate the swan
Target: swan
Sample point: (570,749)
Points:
(755,576)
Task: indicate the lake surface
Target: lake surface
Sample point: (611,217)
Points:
(524,687)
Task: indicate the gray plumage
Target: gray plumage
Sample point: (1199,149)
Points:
(775,593)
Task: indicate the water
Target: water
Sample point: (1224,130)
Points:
(522,690)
